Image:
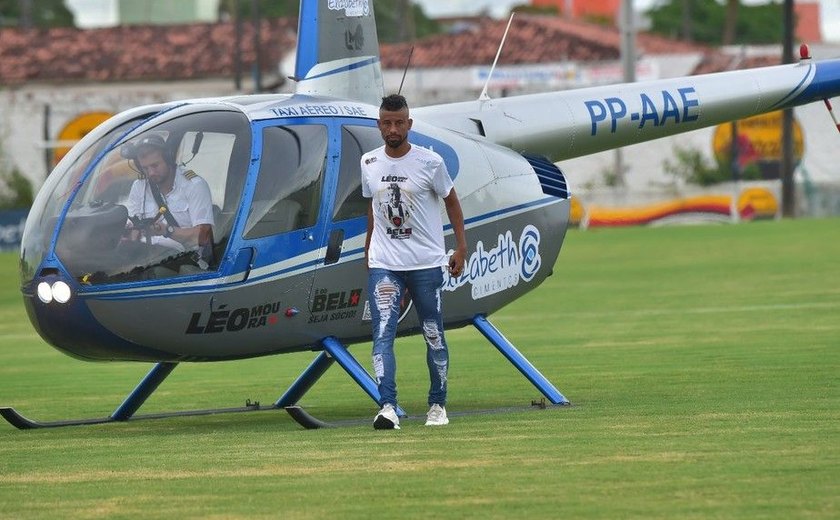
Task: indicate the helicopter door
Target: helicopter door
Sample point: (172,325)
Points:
(283,226)
(341,278)
(348,219)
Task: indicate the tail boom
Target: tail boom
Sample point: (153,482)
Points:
(567,124)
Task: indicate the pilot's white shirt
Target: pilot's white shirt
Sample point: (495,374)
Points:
(407,224)
(189,202)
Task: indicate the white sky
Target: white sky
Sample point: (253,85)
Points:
(96,13)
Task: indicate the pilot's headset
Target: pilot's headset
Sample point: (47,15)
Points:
(132,150)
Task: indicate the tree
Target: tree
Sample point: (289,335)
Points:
(402,21)
(35,13)
(396,21)
(16,192)
(753,24)
(267,8)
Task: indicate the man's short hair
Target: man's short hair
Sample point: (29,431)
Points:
(393,103)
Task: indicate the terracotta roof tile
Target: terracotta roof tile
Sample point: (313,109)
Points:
(718,62)
(137,52)
(532,39)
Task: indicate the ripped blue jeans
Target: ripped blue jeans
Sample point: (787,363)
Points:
(386,290)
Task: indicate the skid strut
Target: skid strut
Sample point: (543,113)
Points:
(142,392)
(334,350)
(518,360)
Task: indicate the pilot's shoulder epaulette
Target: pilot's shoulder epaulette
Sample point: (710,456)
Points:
(190,175)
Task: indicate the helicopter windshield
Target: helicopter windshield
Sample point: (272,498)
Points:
(159,204)
(42,219)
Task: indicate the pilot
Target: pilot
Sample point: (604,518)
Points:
(174,204)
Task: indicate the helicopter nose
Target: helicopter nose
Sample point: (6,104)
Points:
(62,317)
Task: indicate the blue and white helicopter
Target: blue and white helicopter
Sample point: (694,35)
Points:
(285,266)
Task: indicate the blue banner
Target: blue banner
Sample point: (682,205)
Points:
(12,223)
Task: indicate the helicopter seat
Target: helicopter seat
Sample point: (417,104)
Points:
(222,224)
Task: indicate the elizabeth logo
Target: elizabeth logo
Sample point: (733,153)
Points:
(529,250)
(502,267)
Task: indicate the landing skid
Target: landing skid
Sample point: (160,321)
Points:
(126,411)
(333,350)
(22,422)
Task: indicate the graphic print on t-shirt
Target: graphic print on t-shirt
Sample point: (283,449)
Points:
(397,209)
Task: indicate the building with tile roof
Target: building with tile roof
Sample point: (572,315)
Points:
(138,52)
(49,77)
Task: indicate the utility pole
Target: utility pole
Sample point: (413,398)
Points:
(628,62)
(628,41)
(255,16)
(26,20)
(788,187)
(237,49)
(729,29)
(407,30)
(687,32)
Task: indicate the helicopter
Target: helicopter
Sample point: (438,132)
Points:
(283,268)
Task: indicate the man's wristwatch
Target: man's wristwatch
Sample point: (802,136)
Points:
(169,230)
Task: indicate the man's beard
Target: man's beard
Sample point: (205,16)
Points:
(394,142)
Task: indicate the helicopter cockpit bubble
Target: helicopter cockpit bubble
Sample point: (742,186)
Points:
(106,237)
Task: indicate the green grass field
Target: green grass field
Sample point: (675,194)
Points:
(703,364)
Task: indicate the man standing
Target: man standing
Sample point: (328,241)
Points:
(404,250)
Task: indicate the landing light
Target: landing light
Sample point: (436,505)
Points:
(45,292)
(61,292)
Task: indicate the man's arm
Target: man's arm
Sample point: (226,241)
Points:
(456,218)
(201,210)
(199,235)
(369,230)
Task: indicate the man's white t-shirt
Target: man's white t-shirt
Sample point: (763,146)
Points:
(406,192)
(189,202)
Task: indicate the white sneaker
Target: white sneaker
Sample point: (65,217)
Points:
(437,416)
(387,418)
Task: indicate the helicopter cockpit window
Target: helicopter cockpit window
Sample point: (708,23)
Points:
(160,204)
(355,141)
(288,192)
